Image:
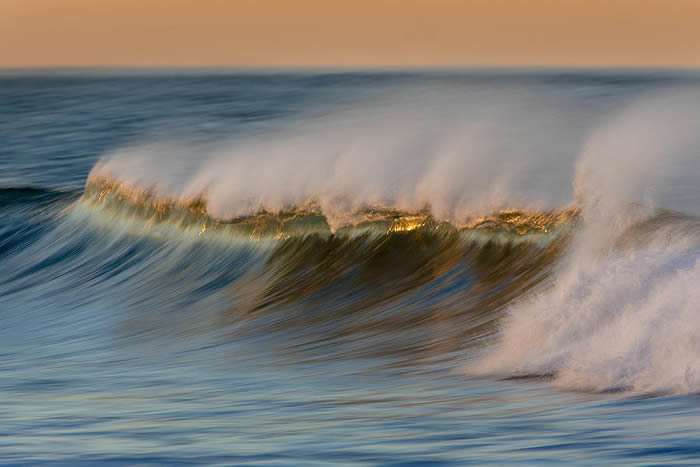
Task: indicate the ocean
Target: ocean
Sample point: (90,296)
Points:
(250,267)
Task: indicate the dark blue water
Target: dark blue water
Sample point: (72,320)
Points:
(132,335)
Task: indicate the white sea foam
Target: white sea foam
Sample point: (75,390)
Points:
(621,318)
(622,323)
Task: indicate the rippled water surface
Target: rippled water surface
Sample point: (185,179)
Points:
(349,268)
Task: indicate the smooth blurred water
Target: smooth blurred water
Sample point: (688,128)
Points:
(123,345)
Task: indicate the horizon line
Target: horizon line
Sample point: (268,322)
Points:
(344,68)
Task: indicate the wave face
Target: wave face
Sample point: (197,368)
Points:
(386,253)
(362,285)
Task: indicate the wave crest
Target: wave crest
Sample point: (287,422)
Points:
(147,205)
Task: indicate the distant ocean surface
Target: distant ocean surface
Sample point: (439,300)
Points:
(362,268)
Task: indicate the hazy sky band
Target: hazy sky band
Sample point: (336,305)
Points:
(45,33)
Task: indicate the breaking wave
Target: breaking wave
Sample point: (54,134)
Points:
(415,231)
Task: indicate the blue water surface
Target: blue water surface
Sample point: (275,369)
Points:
(128,349)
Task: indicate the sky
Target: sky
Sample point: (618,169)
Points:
(357,33)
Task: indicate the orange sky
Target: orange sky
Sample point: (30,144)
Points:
(388,33)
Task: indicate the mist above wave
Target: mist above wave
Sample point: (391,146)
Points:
(459,150)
